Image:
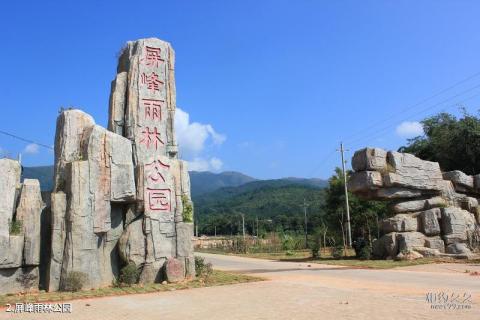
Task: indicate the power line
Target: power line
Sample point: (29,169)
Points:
(418,103)
(322,162)
(25,140)
(375,133)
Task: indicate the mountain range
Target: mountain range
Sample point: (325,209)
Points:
(202,183)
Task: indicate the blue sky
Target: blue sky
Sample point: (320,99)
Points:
(269,88)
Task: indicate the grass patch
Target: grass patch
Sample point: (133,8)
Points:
(349,261)
(217,278)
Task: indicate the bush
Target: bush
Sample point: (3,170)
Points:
(74,281)
(337,252)
(16,227)
(363,251)
(202,269)
(315,245)
(187,209)
(129,274)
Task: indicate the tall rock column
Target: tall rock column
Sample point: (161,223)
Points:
(142,108)
(21,206)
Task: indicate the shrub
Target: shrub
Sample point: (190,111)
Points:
(187,209)
(16,227)
(129,274)
(74,281)
(365,253)
(315,245)
(202,269)
(337,252)
(363,250)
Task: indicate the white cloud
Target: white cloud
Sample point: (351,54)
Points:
(202,164)
(192,136)
(193,139)
(31,148)
(409,129)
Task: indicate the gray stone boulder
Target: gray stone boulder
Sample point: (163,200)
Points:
(418,205)
(410,254)
(9,183)
(411,172)
(400,223)
(461,181)
(386,246)
(174,270)
(410,240)
(409,206)
(398,193)
(29,212)
(365,181)
(58,209)
(370,159)
(457,224)
(17,280)
(459,248)
(131,244)
(435,243)
(71,125)
(429,221)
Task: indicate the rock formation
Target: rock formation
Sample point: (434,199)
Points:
(121,195)
(21,206)
(433,213)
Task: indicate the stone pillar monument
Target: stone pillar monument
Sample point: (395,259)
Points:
(121,195)
(142,109)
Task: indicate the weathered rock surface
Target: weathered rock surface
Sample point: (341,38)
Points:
(131,244)
(412,172)
(71,125)
(174,270)
(21,206)
(458,248)
(120,196)
(9,183)
(435,243)
(373,159)
(410,240)
(429,222)
(386,246)
(457,225)
(57,209)
(461,181)
(29,211)
(15,280)
(432,212)
(400,223)
(360,180)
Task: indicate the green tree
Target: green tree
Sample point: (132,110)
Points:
(453,143)
(364,214)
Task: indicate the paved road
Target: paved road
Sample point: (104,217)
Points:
(297,291)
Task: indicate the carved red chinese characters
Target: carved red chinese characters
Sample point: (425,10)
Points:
(152,56)
(151,138)
(152,81)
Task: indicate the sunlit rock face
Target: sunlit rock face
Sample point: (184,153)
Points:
(21,207)
(121,194)
(434,213)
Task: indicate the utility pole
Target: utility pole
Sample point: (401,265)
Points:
(243,226)
(305,216)
(347,207)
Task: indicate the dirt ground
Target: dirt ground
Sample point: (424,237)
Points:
(301,291)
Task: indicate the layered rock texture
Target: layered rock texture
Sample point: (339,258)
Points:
(433,213)
(121,194)
(21,208)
